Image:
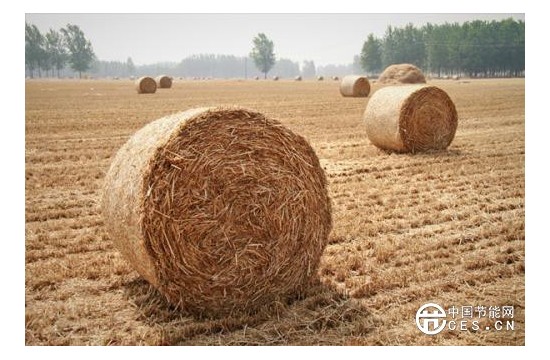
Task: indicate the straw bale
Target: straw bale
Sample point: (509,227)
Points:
(411,118)
(402,74)
(146,85)
(221,209)
(355,86)
(164,82)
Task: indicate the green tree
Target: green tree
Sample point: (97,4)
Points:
(262,53)
(308,69)
(34,49)
(371,55)
(130,67)
(286,68)
(55,48)
(81,53)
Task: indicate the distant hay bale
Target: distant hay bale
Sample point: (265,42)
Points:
(146,85)
(320,78)
(456,77)
(335,78)
(256,77)
(298,78)
(275,78)
(411,118)
(220,209)
(402,74)
(355,86)
(164,82)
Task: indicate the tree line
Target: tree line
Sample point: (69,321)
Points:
(53,51)
(476,48)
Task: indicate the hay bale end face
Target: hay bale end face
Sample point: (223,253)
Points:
(355,86)
(164,82)
(146,85)
(411,118)
(402,74)
(219,209)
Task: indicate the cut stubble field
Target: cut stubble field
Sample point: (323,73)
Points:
(444,227)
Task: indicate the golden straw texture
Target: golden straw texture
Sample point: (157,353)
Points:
(411,118)
(146,85)
(402,74)
(221,209)
(355,86)
(164,82)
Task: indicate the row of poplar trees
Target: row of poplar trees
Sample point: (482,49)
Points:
(476,48)
(53,51)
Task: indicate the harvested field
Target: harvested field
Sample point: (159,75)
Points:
(444,227)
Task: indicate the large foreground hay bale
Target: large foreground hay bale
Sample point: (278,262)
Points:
(355,86)
(146,85)
(411,118)
(219,209)
(164,82)
(402,74)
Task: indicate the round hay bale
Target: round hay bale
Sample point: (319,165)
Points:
(335,78)
(298,78)
(411,118)
(355,86)
(164,82)
(146,85)
(402,74)
(320,78)
(256,77)
(219,208)
(275,78)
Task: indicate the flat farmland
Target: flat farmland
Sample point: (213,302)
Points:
(444,227)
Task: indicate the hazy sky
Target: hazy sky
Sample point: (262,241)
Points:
(149,38)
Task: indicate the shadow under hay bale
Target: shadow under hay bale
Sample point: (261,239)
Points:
(411,118)
(146,85)
(321,309)
(355,86)
(219,208)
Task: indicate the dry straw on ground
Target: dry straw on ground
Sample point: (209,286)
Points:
(164,82)
(146,85)
(411,118)
(221,209)
(355,86)
(402,74)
